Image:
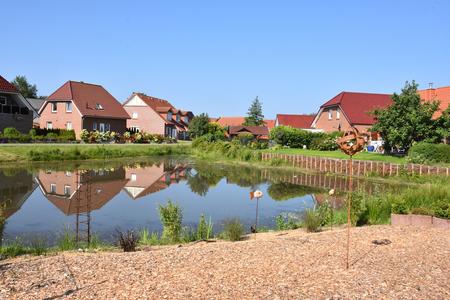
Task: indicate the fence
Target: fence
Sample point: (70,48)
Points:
(360,167)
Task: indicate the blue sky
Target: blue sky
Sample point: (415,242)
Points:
(215,57)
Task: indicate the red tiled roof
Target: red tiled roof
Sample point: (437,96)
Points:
(154,102)
(296,121)
(256,130)
(357,106)
(237,121)
(442,94)
(87,97)
(6,86)
(270,124)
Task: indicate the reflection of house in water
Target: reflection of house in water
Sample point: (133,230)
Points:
(80,192)
(14,191)
(146,180)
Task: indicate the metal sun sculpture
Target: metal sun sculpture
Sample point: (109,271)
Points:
(350,143)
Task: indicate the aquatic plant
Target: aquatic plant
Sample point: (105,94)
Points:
(171,217)
(232,230)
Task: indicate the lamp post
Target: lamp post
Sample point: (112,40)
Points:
(350,143)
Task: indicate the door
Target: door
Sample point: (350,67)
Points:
(102,127)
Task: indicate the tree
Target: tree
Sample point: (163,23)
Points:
(255,115)
(443,125)
(199,125)
(26,89)
(407,120)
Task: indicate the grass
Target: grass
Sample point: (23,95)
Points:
(232,230)
(52,152)
(341,155)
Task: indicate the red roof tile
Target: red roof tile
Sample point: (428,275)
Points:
(296,121)
(91,99)
(357,106)
(442,94)
(154,102)
(6,86)
(257,130)
(237,121)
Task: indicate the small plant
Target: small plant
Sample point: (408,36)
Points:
(312,221)
(128,240)
(233,230)
(149,239)
(67,240)
(13,249)
(38,246)
(204,228)
(285,224)
(171,217)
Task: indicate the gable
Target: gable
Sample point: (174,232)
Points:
(135,101)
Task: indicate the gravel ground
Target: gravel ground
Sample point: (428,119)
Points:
(293,264)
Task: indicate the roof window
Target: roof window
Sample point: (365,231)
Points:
(98,106)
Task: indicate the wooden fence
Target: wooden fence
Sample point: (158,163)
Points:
(360,167)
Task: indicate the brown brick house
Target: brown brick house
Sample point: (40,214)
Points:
(156,116)
(15,111)
(78,105)
(350,109)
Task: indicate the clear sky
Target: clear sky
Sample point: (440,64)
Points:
(216,56)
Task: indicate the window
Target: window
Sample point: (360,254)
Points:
(67,190)
(102,127)
(49,125)
(108,127)
(178,118)
(186,119)
(135,128)
(98,106)
(330,114)
(3,100)
(69,107)
(135,115)
(169,116)
(133,177)
(52,188)
(54,107)
(68,173)
(69,126)
(94,126)
(338,114)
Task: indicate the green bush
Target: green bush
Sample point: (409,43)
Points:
(283,223)
(171,217)
(291,137)
(325,141)
(11,133)
(312,221)
(204,229)
(232,230)
(425,153)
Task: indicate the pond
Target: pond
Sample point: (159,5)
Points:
(99,197)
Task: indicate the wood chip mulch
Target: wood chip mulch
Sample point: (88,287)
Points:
(293,265)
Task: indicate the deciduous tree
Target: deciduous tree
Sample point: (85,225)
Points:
(26,89)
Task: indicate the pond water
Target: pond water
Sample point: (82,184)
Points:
(100,197)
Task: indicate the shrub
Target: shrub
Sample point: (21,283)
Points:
(84,135)
(233,230)
(127,240)
(424,153)
(204,229)
(245,138)
(441,209)
(291,137)
(11,133)
(283,223)
(312,221)
(171,217)
(51,136)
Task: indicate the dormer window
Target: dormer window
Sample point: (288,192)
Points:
(98,106)
(169,115)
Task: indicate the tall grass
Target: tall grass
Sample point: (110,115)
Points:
(232,230)
(204,228)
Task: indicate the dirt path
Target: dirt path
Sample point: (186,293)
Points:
(297,265)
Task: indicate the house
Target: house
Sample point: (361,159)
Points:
(36,103)
(259,132)
(15,111)
(157,116)
(238,121)
(297,121)
(350,110)
(78,105)
(442,94)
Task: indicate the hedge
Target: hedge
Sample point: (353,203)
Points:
(425,153)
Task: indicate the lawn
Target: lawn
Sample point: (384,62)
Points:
(21,152)
(341,155)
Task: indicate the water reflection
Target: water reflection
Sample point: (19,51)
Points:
(98,197)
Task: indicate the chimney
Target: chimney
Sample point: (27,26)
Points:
(430,85)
